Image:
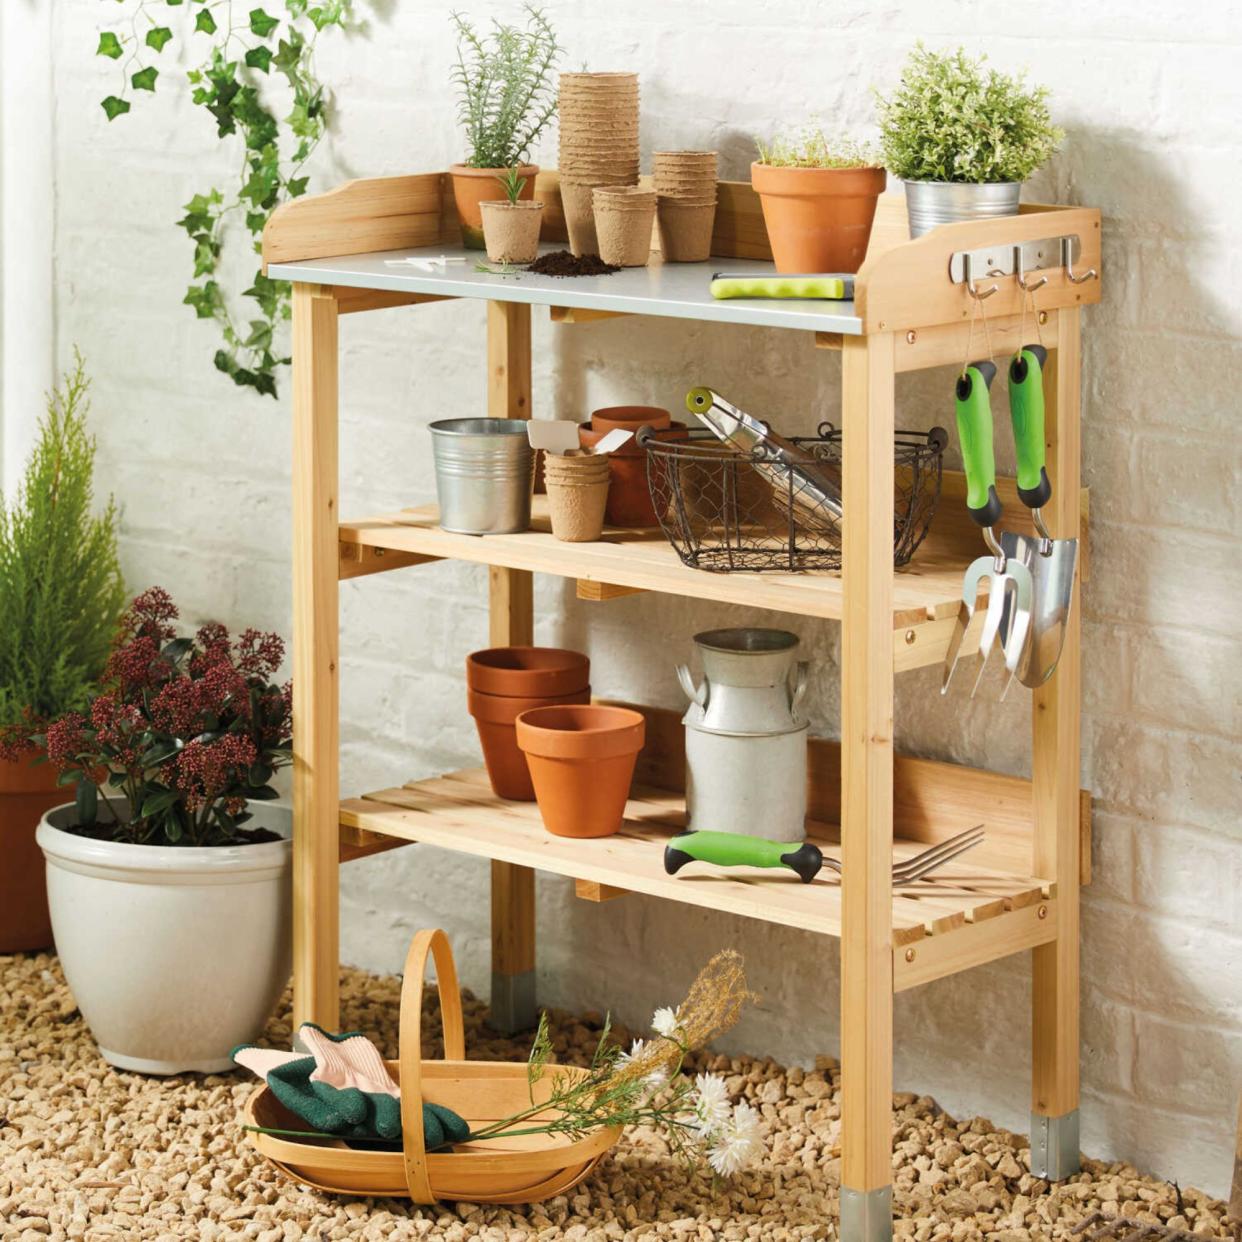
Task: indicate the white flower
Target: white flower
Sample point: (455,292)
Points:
(636,1051)
(664,1022)
(710,1102)
(739,1145)
(657,1077)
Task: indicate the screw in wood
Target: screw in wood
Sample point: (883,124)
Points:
(911,636)
(911,337)
(1042,912)
(909,955)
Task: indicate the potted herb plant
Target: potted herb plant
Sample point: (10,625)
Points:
(963,139)
(818,199)
(170,898)
(61,594)
(510,226)
(507,97)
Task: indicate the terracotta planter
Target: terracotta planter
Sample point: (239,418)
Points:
(527,672)
(818,219)
(629,418)
(629,497)
(582,763)
(471,186)
(511,230)
(494,717)
(27,791)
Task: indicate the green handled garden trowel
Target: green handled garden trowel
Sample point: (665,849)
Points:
(1051,562)
(732,849)
(1006,576)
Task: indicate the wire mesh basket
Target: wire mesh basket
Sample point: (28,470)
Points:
(723,509)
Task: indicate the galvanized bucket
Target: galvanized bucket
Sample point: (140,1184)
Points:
(485,473)
(929,203)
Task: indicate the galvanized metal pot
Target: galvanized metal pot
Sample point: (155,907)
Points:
(485,473)
(929,203)
(745,739)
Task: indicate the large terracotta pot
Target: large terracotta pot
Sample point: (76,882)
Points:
(471,186)
(27,790)
(528,672)
(174,954)
(629,497)
(582,763)
(818,219)
(494,717)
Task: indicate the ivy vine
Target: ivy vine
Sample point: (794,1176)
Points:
(243,52)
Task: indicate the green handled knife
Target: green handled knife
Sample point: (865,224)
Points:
(826,286)
(735,849)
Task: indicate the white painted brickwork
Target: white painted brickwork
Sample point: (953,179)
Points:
(1151,97)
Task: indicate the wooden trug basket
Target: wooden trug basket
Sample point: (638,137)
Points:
(524,1169)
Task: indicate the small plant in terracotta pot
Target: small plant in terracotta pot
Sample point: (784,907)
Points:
(582,763)
(505,79)
(819,201)
(511,226)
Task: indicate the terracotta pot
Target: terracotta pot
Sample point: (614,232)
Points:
(581,763)
(494,716)
(527,672)
(818,219)
(629,498)
(629,418)
(511,230)
(471,186)
(577,509)
(27,791)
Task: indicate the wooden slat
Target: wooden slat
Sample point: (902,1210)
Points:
(358,217)
(357,561)
(350,300)
(582,314)
(867,404)
(589,890)
(356,844)
(316,638)
(947,344)
(933,957)
(738,231)
(599,591)
(906,286)
(1055,763)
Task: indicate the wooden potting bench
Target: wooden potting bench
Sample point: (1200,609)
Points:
(912,310)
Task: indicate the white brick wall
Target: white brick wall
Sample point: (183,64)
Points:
(1150,98)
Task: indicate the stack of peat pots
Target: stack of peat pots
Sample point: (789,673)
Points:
(685,186)
(577,486)
(598,146)
(624,216)
(503,682)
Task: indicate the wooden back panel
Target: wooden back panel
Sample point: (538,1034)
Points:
(931,800)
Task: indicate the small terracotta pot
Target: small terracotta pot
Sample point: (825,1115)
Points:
(629,497)
(527,672)
(629,418)
(494,716)
(818,219)
(577,509)
(581,763)
(511,230)
(472,185)
(27,790)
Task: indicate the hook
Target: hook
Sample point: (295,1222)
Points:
(970,281)
(1020,272)
(1067,244)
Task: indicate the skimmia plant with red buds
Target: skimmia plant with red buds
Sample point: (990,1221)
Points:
(187,731)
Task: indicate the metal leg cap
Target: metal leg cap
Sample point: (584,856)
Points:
(513,1002)
(1054,1146)
(866,1215)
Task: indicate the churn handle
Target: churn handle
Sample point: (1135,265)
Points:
(430,943)
(696,694)
(802,674)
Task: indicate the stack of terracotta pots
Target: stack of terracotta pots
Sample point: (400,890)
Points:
(577,485)
(629,497)
(624,216)
(598,145)
(504,682)
(582,764)
(685,184)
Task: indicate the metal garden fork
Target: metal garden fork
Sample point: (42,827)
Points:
(922,865)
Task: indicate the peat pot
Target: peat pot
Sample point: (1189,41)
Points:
(745,739)
(174,955)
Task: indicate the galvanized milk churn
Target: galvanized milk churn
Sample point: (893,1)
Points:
(745,741)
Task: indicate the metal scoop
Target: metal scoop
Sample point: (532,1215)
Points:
(1051,562)
(1010,585)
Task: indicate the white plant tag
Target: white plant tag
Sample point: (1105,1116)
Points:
(552,435)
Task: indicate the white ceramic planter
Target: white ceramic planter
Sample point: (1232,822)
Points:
(173,955)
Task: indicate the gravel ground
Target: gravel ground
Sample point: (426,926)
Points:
(87,1152)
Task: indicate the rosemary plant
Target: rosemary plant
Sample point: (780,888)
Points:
(508,92)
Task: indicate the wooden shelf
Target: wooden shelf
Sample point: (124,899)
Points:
(459,812)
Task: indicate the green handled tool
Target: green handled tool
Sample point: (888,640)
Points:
(1051,562)
(735,849)
(825,286)
(1004,575)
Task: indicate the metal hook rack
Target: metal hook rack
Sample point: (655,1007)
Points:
(1019,260)
(1067,262)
